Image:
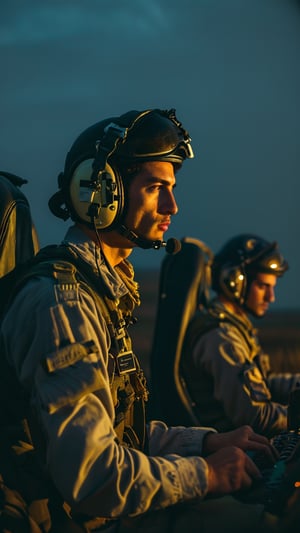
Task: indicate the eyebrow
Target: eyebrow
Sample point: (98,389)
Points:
(163,181)
(265,283)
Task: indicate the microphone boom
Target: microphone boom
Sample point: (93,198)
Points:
(173,246)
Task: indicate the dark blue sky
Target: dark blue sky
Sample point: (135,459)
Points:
(230,68)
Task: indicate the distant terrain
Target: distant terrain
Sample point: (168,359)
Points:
(279,330)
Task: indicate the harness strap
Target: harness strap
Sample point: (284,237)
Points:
(126,376)
(130,413)
(205,322)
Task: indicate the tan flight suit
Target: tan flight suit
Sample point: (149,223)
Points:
(60,345)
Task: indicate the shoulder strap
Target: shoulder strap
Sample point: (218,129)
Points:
(58,262)
(201,323)
(207,320)
(63,264)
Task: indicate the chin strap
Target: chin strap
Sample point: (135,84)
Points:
(172,246)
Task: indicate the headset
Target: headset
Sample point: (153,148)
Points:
(239,260)
(91,188)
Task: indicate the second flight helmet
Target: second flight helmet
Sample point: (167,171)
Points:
(239,260)
(93,183)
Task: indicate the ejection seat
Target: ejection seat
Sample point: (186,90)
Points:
(18,236)
(183,286)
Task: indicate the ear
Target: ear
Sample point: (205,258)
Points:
(233,282)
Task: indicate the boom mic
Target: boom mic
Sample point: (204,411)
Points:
(173,246)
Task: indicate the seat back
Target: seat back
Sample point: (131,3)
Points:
(184,285)
(18,237)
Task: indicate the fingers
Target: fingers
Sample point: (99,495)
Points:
(259,443)
(256,437)
(244,438)
(252,469)
(230,470)
(262,444)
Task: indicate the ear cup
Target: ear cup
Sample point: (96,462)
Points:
(233,282)
(97,203)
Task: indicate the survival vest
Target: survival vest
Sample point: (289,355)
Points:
(200,384)
(211,318)
(128,383)
(128,386)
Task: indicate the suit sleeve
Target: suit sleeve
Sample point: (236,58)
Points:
(61,358)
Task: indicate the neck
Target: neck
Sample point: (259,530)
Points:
(113,254)
(114,247)
(232,307)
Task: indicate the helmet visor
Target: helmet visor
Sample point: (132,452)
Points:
(156,136)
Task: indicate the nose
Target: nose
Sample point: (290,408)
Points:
(271,294)
(169,204)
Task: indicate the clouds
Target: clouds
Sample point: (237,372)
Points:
(60,50)
(34,23)
(231,69)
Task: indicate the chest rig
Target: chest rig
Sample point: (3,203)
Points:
(203,322)
(213,318)
(127,381)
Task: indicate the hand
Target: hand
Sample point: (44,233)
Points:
(244,438)
(230,470)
